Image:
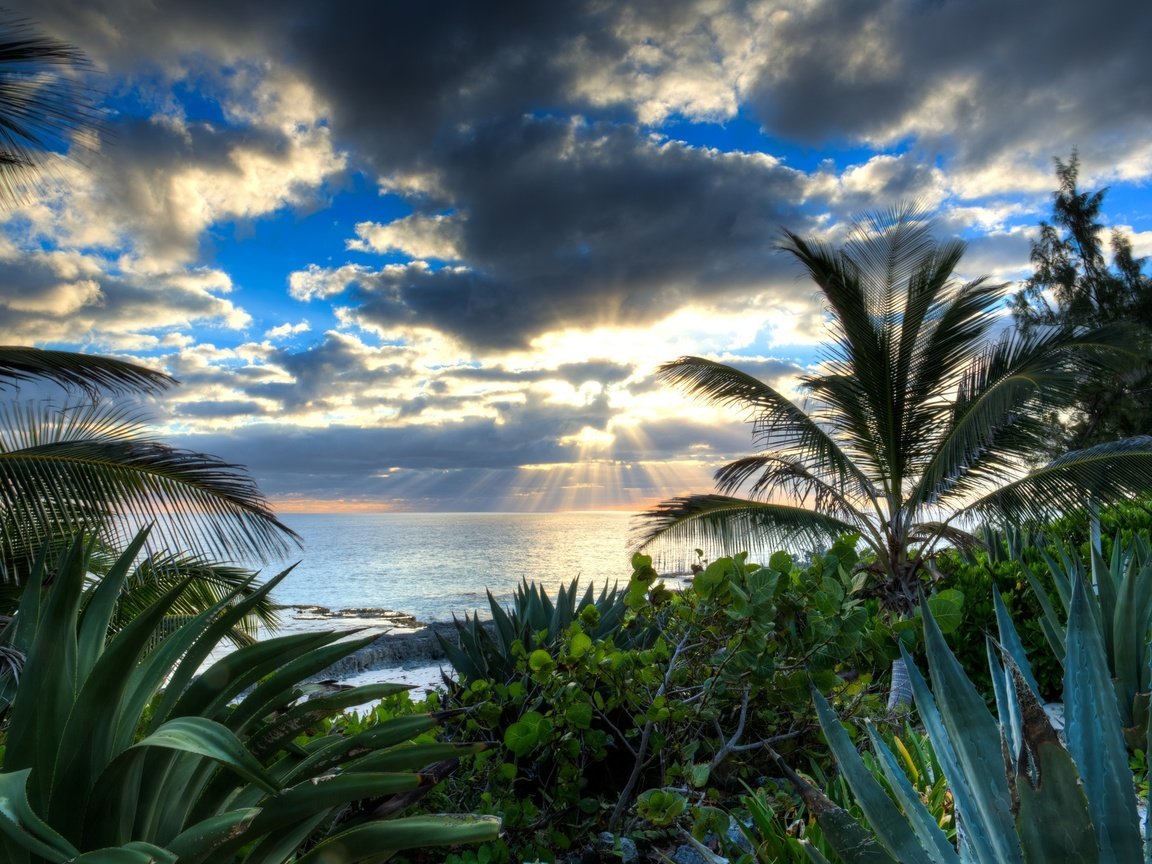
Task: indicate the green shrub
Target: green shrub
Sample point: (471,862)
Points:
(588,723)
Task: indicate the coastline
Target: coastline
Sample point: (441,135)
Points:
(405,650)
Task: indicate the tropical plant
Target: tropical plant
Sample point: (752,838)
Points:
(44,106)
(1020,792)
(118,751)
(919,422)
(1121,601)
(485,651)
(96,467)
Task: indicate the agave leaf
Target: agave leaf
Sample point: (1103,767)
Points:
(982,806)
(367,842)
(1093,731)
(929,833)
(1009,642)
(324,793)
(301,804)
(282,686)
(387,734)
(410,757)
(892,829)
(1106,582)
(198,642)
(36,726)
(22,824)
(505,630)
(813,853)
(1131,619)
(1053,822)
(1006,706)
(89,743)
(283,846)
(102,605)
(134,853)
(210,693)
(843,832)
(975,738)
(204,838)
(211,739)
(1050,622)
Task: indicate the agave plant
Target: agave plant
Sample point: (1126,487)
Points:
(1021,793)
(535,621)
(118,751)
(1121,601)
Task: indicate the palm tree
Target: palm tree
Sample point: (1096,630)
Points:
(920,421)
(44,105)
(93,468)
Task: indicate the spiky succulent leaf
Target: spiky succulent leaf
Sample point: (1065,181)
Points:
(1094,734)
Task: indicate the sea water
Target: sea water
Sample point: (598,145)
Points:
(436,565)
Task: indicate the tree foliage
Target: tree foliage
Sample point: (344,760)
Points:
(1074,286)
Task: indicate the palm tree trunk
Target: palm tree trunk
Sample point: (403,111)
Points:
(900,690)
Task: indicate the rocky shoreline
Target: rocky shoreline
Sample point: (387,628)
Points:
(404,642)
(402,649)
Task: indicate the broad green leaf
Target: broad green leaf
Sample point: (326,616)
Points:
(948,609)
(366,842)
(21,823)
(208,738)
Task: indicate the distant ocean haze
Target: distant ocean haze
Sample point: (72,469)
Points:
(434,565)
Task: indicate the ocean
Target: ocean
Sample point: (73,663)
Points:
(435,565)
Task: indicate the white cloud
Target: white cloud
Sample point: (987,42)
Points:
(417,236)
(287,330)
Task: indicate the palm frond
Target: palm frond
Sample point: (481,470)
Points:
(735,525)
(996,421)
(91,468)
(770,475)
(88,372)
(780,427)
(206,584)
(1105,474)
(45,106)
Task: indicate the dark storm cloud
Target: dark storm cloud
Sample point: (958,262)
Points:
(981,77)
(600,371)
(219,408)
(576,225)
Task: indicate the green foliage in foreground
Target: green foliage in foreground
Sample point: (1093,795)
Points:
(117,752)
(1021,793)
(594,729)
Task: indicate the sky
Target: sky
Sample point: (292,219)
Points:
(427,256)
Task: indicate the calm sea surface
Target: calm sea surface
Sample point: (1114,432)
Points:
(432,565)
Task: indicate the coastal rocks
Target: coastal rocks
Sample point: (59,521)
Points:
(399,648)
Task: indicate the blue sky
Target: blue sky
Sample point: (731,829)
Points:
(428,256)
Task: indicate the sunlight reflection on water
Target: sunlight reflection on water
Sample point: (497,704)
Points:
(432,565)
